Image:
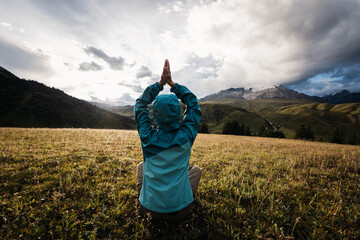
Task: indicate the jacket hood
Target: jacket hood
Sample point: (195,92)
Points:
(167,112)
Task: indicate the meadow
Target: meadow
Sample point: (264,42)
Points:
(81,184)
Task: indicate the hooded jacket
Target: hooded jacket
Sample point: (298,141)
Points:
(166,149)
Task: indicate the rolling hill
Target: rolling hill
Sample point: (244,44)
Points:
(323,118)
(32,104)
(287,116)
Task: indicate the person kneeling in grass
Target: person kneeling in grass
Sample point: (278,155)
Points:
(166,184)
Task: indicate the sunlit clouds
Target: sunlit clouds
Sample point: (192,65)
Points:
(111,50)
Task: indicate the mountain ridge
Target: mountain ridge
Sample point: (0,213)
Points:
(278,92)
(27,103)
(344,96)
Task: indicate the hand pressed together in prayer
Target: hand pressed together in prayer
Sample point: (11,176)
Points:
(166,75)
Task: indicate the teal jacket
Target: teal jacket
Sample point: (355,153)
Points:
(166,149)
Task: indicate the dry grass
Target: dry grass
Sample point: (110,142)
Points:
(80,184)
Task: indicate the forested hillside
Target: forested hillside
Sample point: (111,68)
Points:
(31,104)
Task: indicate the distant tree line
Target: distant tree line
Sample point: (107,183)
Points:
(233,128)
(304,132)
(203,128)
(338,136)
(269,132)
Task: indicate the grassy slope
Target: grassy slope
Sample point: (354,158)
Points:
(323,118)
(216,115)
(76,183)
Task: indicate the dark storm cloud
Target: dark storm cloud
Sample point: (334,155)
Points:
(329,33)
(23,61)
(349,73)
(326,83)
(324,86)
(115,63)
(85,66)
(143,72)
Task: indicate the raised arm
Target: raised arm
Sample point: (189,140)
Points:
(141,110)
(192,115)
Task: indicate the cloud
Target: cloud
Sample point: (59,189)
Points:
(334,81)
(200,74)
(202,67)
(318,86)
(24,62)
(125,99)
(154,78)
(174,6)
(349,73)
(7,25)
(115,63)
(10,27)
(206,71)
(135,87)
(68,12)
(85,66)
(265,42)
(143,72)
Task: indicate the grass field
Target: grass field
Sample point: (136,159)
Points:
(80,184)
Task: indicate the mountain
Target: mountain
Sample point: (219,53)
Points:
(228,93)
(26,103)
(278,92)
(343,97)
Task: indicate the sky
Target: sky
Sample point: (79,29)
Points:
(111,50)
